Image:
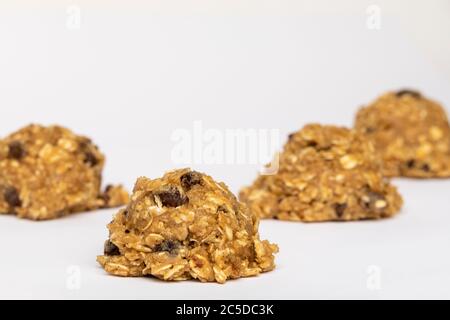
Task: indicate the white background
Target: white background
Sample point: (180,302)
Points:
(134,72)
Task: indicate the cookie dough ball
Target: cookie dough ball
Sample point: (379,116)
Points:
(411,133)
(325,173)
(186,226)
(49,172)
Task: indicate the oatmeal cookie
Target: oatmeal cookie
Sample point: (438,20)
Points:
(186,226)
(411,132)
(49,172)
(325,173)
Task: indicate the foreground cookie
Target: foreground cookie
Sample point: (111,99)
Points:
(48,172)
(411,133)
(325,173)
(186,226)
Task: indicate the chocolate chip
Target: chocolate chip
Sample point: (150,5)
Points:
(411,164)
(190,179)
(111,249)
(105,195)
(16,150)
(172,197)
(12,197)
(90,159)
(170,246)
(339,208)
(291,136)
(318,146)
(426,167)
(414,94)
(84,143)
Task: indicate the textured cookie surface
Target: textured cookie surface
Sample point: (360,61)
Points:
(186,226)
(48,172)
(325,173)
(411,133)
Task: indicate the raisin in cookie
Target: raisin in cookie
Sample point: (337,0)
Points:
(48,172)
(411,133)
(186,226)
(325,173)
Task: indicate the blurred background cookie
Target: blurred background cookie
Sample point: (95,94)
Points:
(410,131)
(325,173)
(49,172)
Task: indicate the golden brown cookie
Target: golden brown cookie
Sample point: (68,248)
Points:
(186,226)
(325,173)
(49,172)
(411,132)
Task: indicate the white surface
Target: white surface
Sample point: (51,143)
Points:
(133,73)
